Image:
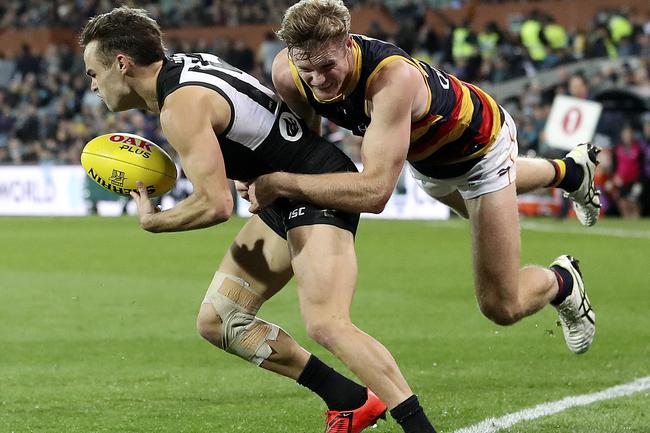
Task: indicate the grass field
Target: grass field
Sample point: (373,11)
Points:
(97,331)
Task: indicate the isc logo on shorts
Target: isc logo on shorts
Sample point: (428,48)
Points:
(297,212)
(289,127)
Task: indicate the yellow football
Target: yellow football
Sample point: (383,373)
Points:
(117,161)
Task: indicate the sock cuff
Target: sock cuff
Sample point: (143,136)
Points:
(560,171)
(313,367)
(406,409)
(564,282)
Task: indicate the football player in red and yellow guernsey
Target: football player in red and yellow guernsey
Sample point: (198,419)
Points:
(460,146)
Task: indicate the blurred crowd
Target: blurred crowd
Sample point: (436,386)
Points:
(47,112)
(169,13)
(529,44)
(623,130)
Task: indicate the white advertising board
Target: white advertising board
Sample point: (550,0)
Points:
(42,190)
(572,121)
(46,190)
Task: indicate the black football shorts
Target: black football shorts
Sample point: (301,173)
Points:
(284,215)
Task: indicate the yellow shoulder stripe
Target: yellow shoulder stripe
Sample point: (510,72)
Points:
(296,79)
(392,58)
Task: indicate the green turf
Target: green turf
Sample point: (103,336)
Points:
(97,330)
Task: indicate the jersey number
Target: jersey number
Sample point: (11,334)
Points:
(444,81)
(206,63)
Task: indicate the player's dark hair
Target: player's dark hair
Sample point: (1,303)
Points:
(128,31)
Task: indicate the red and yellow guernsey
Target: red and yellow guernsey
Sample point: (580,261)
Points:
(458,128)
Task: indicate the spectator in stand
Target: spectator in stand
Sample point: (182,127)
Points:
(15,150)
(376,31)
(579,86)
(7,67)
(531,37)
(27,62)
(621,31)
(644,35)
(5,158)
(489,39)
(556,41)
(266,53)
(28,124)
(241,56)
(626,187)
(579,45)
(7,119)
(645,172)
(601,44)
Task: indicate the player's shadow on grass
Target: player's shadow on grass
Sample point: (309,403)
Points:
(253,261)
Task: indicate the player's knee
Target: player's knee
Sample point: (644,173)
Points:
(233,326)
(327,333)
(499,311)
(209,326)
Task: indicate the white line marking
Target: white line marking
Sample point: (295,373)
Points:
(615,232)
(492,425)
(594,231)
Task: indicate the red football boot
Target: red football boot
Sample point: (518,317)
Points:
(354,421)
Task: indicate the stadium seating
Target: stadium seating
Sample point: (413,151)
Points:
(47,112)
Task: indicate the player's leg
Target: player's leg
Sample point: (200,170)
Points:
(533,174)
(445,191)
(456,202)
(496,244)
(255,267)
(574,174)
(504,292)
(324,262)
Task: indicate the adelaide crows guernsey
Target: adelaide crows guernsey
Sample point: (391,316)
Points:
(457,129)
(263,135)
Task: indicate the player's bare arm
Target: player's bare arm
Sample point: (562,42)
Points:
(189,119)
(392,96)
(285,86)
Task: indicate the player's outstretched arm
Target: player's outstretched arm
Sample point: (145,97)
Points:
(383,151)
(188,119)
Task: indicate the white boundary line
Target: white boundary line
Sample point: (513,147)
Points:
(615,232)
(493,425)
(593,231)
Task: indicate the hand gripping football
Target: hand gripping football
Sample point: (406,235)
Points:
(117,161)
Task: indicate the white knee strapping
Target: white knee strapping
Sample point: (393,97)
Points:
(243,334)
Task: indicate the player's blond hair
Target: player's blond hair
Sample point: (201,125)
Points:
(310,23)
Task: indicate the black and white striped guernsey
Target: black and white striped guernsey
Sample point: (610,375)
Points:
(263,134)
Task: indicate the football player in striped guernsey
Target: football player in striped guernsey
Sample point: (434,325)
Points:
(224,124)
(460,145)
